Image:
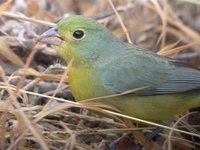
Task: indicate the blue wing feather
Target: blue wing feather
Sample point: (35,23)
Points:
(183,78)
(136,69)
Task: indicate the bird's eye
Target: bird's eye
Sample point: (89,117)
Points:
(78,34)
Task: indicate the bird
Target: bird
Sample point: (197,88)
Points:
(103,65)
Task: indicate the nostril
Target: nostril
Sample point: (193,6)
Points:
(56,29)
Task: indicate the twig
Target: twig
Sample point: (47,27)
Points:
(11,15)
(106,14)
(106,111)
(120,21)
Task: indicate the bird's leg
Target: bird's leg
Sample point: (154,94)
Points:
(154,133)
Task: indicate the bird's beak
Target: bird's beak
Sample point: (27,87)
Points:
(51,37)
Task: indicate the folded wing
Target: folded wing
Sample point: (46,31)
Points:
(139,68)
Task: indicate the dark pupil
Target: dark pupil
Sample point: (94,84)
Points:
(78,34)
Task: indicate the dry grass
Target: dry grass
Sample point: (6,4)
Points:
(34,108)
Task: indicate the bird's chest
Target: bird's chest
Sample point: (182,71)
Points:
(84,83)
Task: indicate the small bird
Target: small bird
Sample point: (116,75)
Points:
(103,65)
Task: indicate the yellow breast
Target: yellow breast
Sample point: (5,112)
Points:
(82,83)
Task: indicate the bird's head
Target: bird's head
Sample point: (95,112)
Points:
(81,38)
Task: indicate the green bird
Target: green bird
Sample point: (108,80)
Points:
(103,65)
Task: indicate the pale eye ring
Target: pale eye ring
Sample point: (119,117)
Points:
(78,34)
